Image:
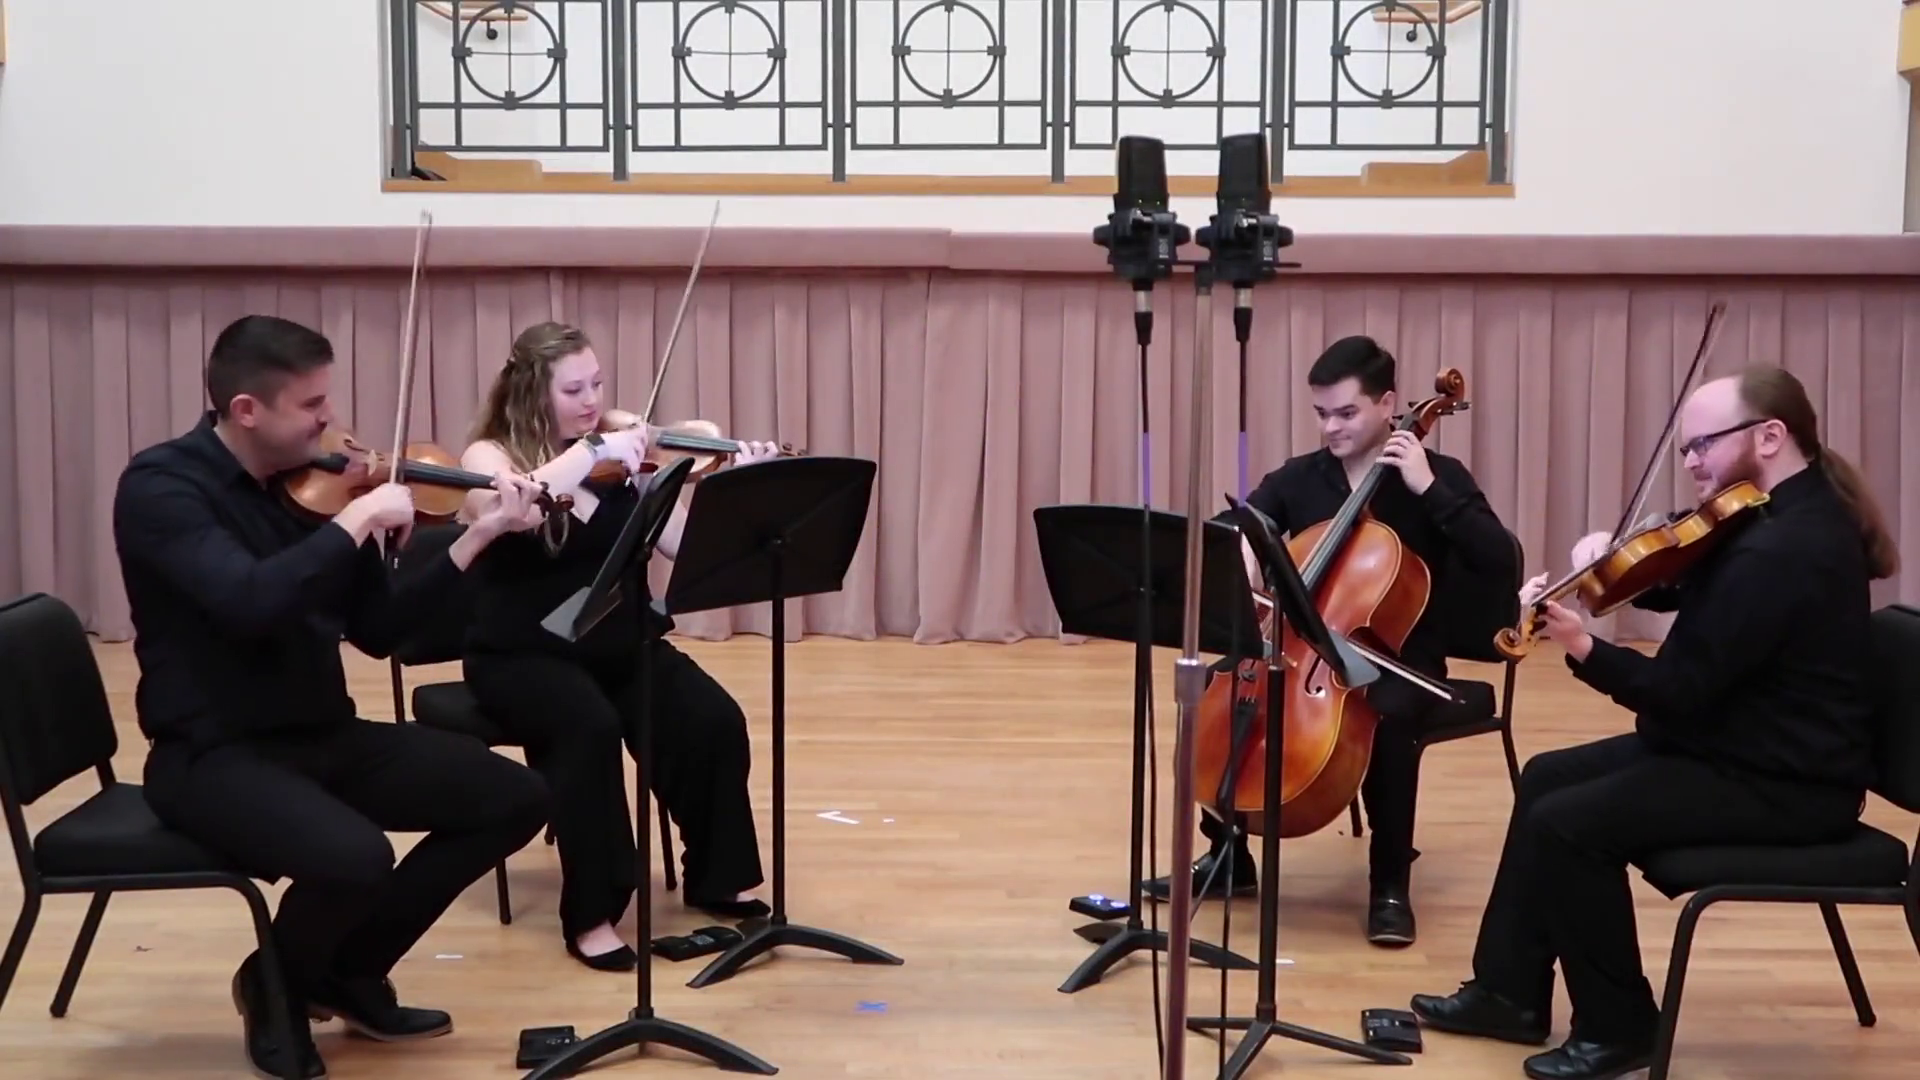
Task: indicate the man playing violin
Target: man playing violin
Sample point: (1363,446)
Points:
(1751,726)
(1433,503)
(239,605)
(573,704)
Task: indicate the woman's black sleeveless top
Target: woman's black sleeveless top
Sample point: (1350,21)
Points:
(520,583)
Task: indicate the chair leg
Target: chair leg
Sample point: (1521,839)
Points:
(1513,760)
(1353,815)
(279,1013)
(17,944)
(82,945)
(666,848)
(1676,981)
(500,893)
(1849,969)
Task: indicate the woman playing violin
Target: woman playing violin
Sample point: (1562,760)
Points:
(571,704)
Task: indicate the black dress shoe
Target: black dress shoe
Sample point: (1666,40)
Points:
(265,1046)
(369,1007)
(731,909)
(1246,880)
(1390,918)
(1475,1010)
(1582,1059)
(620,959)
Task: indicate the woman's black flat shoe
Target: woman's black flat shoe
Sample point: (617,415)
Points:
(620,959)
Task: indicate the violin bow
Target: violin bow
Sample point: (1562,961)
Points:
(403,410)
(1708,338)
(673,335)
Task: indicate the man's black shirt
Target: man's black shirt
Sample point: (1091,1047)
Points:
(1765,665)
(239,604)
(1450,526)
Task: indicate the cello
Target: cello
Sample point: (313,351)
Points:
(1369,587)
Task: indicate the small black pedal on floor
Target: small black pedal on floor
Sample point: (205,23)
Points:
(702,942)
(1390,1029)
(542,1044)
(1096,906)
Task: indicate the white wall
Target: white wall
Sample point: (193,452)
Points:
(1633,116)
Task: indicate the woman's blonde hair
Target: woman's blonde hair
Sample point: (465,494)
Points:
(518,413)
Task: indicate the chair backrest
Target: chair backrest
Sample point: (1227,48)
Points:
(1896,663)
(1481,607)
(441,634)
(54,719)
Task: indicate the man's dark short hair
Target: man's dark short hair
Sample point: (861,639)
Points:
(1357,357)
(257,354)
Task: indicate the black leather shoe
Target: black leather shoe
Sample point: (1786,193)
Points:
(1581,1059)
(369,1007)
(263,1039)
(1390,918)
(1475,1010)
(1246,880)
(731,909)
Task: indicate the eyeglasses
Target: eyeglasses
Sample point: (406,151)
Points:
(1700,444)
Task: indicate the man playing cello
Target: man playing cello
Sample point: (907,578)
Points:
(1432,502)
(1751,727)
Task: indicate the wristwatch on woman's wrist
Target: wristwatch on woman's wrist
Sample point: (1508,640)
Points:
(595,445)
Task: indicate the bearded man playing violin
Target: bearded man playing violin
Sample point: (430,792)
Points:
(239,604)
(1751,726)
(573,704)
(1432,502)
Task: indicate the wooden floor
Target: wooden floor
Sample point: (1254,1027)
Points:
(977,788)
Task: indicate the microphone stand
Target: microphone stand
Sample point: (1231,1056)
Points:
(1141,237)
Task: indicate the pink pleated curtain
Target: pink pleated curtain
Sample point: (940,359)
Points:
(981,395)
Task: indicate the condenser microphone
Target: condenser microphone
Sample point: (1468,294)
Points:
(1141,167)
(1142,235)
(1243,173)
(1243,237)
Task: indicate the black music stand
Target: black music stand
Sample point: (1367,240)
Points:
(1355,669)
(1105,585)
(766,533)
(572,619)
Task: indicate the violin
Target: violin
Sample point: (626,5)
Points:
(697,439)
(345,470)
(1656,553)
(1370,588)
(1654,556)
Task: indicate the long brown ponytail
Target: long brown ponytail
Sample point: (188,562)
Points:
(1772,393)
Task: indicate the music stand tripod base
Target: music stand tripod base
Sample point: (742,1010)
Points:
(571,621)
(767,533)
(1119,941)
(637,1031)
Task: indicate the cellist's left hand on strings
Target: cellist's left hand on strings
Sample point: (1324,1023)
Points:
(751,452)
(1404,452)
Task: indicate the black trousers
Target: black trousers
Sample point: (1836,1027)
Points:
(1584,814)
(315,806)
(1391,784)
(573,718)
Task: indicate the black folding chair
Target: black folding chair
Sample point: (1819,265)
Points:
(450,706)
(1480,713)
(1867,867)
(54,725)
